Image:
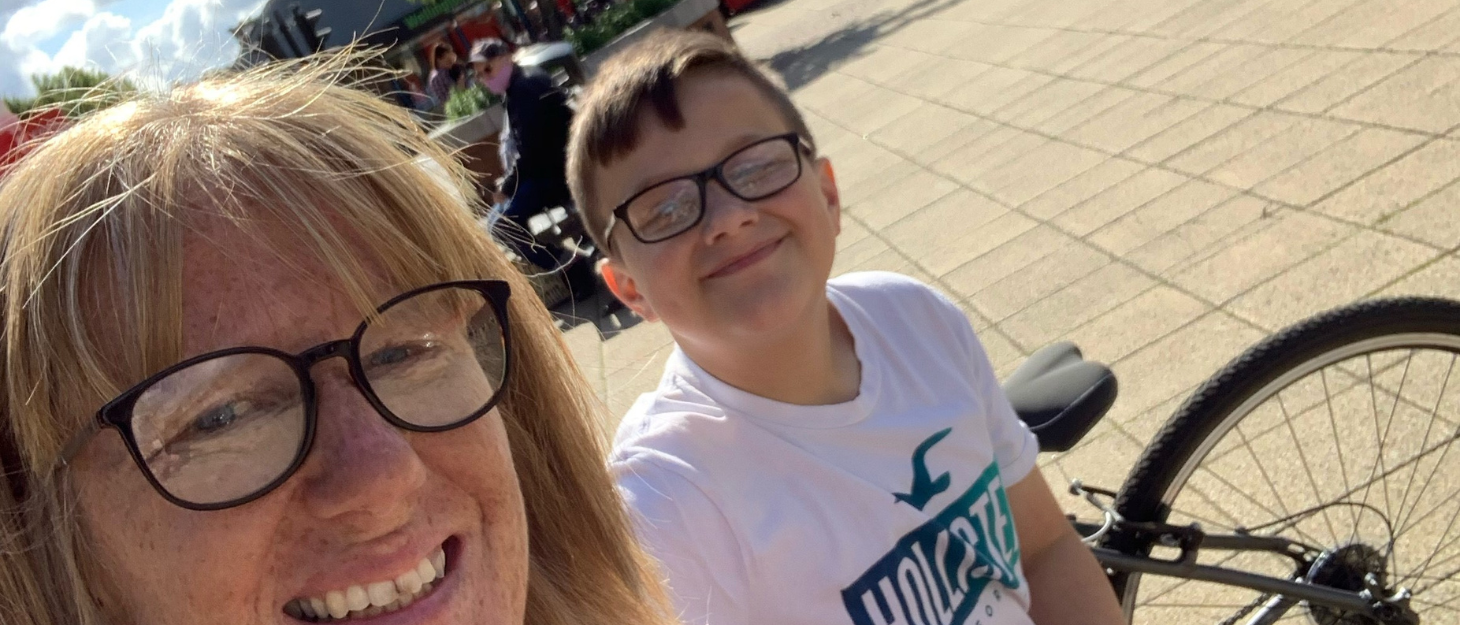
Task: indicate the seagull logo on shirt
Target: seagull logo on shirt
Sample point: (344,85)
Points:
(924,487)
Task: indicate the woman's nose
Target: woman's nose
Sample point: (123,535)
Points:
(363,474)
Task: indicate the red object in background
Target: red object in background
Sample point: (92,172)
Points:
(482,27)
(20,136)
(736,6)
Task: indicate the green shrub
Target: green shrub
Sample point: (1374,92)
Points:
(469,101)
(613,22)
(74,90)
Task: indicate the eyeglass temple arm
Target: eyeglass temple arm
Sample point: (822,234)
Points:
(608,231)
(77,443)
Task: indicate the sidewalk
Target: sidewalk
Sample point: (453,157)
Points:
(1163,183)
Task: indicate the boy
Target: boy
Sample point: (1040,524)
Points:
(818,451)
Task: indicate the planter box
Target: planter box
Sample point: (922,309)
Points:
(687,14)
(475,140)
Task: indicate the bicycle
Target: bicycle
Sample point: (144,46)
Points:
(1306,478)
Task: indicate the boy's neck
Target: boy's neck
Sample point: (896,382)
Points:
(813,363)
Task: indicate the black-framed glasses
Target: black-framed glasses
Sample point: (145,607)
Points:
(224,428)
(754,172)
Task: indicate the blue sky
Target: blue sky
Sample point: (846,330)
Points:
(154,40)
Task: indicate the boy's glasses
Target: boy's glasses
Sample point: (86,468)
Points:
(225,428)
(754,172)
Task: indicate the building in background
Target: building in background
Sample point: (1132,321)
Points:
(406,29)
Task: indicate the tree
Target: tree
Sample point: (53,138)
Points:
(73,90)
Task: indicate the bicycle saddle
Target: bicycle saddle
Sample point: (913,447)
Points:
(1060,395)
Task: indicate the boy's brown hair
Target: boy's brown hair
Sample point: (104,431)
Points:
(644,77)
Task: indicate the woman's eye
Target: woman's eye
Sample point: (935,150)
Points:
(389,356)
(216,419)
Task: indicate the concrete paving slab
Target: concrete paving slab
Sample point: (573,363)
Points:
(1345,82)
(1441,277)
(1178,362)
(1434,220)
(1077,190)
(1232,142)
(1294,145)
(1137,323)
(1295,77)
(956,229)
(1133,121)
(901,198)
(1045,321)
(1395,186)
(1119,200)
(1208,233)
(1338,165)
(1038,280)
(1208,122)
(1348,271)
(1159,216)
(921,129)
(1424,96)
(1021,251)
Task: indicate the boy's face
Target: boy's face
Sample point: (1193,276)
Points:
(747,268)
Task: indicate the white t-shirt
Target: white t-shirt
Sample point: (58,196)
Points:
(889,508)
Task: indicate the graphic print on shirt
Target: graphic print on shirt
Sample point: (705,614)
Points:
(937,573)
(924,487)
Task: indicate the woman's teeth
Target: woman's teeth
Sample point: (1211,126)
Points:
(372,599)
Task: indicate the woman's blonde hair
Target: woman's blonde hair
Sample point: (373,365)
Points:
(91,231)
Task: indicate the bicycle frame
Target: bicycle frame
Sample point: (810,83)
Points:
(1285,593)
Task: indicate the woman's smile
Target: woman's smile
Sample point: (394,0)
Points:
(364,600)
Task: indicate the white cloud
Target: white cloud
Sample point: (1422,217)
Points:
(101,42)
(191,37)
(43,20)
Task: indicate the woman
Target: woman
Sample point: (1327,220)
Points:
(445,75)
(261,366)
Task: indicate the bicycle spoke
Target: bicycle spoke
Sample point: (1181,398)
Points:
(1428,428)
(1439,544)
(1443,606)
(1294,413)
(1388,507)
(1412,522)
(1303,458)
(1374,410)
(1337,440)
(1424,566)
(1247,444)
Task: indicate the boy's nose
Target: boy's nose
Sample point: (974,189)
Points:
(725,214)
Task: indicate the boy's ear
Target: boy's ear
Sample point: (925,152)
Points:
(827,178)
(617,277)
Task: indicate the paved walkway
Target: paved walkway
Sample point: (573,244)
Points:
(1163,182)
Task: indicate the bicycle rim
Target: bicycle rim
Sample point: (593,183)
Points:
(1348,450)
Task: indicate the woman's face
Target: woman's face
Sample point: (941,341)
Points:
(369,505)
(445,59)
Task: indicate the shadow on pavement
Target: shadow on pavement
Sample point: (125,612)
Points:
(601,309)
(800,66)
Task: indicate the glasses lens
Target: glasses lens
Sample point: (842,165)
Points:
(763,169)
(222,429)
(665,210)
(435,359)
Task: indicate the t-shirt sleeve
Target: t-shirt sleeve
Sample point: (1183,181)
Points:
(690,538)
(1015,447)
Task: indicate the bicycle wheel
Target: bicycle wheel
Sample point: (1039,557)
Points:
(1335,433)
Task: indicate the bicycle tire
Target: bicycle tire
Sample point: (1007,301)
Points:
(1218,406)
